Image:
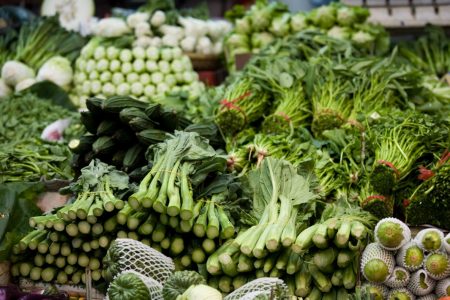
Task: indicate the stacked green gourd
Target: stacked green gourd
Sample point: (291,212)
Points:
(398,267)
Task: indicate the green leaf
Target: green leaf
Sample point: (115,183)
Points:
(17,205)
(50,91)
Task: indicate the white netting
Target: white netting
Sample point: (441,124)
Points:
(431,265)
(153,286)
(403,292)
(128,254)
(426,239)
(421,284)
(256,296)
(428,297)
(415,258)
(447,243)
(406,232)
(262,286)
(381,288)
(443,287)
(373,251)
(399,278)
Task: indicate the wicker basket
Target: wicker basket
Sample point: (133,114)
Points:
(202,62)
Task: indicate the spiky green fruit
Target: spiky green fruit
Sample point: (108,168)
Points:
(430,239)
(377,263)
(437,265)
(410,257)
(392,233)
(399,278)
(401,294)
(376,291)
(443,287)
(421,284)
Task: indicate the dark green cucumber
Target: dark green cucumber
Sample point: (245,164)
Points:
(125,136)
(107,127)
(133,157)
(89,121)
(153,111)
(83,144)
(117,158)
(103,145)
(129,113)
(151,136)
(94,105)
(139,124)
(116,103)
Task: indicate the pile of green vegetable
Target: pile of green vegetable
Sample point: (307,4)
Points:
(106,68)
(24,156)
(39,50)
(264,22)
(75,236)
(397,266)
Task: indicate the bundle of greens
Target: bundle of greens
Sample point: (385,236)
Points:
(67,240)
(282,78)
(281,203)
(429,203)
(183,160)
(399,141)
(43,38)
(244,102)
(430,52)
(120,129)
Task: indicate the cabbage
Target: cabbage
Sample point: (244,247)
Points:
(24,84)
(338,32)
(111,27)
(280,25)
(201,292)
(243,26)
(5,90)
(14,72)
(261,39)
(346,16)
(58,70)
(237,40)
(363,39)
(324,16)
(298,22)
(261,14)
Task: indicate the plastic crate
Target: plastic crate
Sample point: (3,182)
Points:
(406,13)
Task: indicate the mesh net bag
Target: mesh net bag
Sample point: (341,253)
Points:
(410,256)
(128,254)
(258,288)
(153,286)
(430,239)
(421,284)
(443,287)
(399,278)
(427,297)
(447,243)
(256,296)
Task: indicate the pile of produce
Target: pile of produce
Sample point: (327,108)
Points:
(105,69)
(71,238)
(24,156)
(40,50)
(264,22)
(268,186)
(398,267)
(191,34)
